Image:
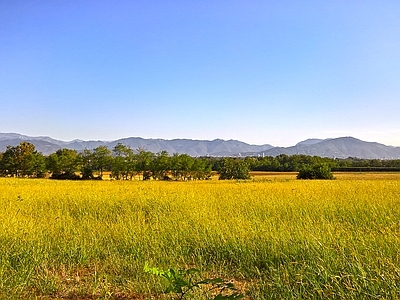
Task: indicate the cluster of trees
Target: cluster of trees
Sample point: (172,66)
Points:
(22,160)
(286,163)
(124,163)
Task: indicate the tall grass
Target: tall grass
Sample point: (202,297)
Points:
(276,239)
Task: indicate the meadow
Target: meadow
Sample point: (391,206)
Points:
(274,237)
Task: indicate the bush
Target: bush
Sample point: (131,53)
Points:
(320,171)
(65,176)
(231,168)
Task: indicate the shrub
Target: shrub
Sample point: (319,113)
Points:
(319,171)
(231,168)
(65,176)
(182,283)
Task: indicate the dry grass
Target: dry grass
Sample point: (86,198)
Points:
(275,237)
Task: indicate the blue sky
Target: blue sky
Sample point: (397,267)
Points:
(274,72)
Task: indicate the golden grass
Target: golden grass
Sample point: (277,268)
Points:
(277,237)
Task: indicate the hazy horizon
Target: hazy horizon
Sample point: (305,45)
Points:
(152,138)
(261,72)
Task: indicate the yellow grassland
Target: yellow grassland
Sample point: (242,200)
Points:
(276,237)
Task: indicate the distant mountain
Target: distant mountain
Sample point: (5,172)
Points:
(192,147)
(309,142)
(339,147)
(20,137)
(217,147)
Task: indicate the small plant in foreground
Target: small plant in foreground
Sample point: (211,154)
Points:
(183,283)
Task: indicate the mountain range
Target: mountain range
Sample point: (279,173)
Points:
(342,147)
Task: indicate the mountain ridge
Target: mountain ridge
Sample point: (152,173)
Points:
(341,147)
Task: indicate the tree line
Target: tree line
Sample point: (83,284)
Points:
(122,162)
(286,163)
(125,163)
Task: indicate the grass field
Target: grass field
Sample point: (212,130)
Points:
(275,237)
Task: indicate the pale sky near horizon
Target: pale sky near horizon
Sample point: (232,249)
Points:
(262,72)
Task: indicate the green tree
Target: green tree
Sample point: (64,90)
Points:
(144,162)
(52,164)
(175,166)
(22,160)
(63,164)
(8,162)
(161,165)
(231,168)
(38,165)
(186,166)
(86,164)
(124,163)
(201,168)
(317,171)
(101,159)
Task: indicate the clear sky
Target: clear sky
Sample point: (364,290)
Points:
(274,72)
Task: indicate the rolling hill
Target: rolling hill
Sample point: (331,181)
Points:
(342,147)
(339,148)
(217,147)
